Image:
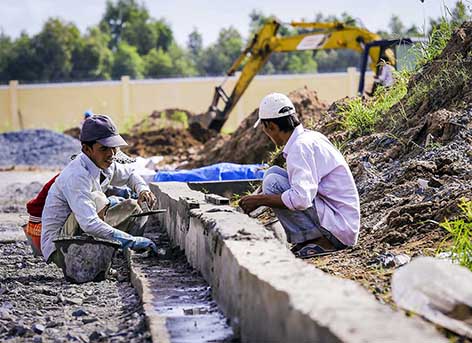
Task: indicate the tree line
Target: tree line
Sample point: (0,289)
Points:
(129,41)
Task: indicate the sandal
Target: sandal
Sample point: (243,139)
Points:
(312,250)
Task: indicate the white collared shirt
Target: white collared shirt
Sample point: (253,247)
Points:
(71,192)
(318,171)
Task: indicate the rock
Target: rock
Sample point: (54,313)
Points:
(47,291)
(60,299)
(19,330)
(71,337)
(89,320)
(53,324)
(91,299)
(96,336)
(438,290)
(79,313)
(74,301)
(390,260)
(38,328)
(422,183)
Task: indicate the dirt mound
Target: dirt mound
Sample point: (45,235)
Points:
(249,145)
(412,172)
(177,144)
(73,132)
(174,118)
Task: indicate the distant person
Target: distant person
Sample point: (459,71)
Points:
(384,77)
(71,195)
(315,199)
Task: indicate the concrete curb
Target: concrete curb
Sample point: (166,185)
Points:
(155,322)
(268,294)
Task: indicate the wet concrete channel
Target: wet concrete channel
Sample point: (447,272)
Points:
(180,294)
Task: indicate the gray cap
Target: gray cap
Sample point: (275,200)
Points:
(101,128)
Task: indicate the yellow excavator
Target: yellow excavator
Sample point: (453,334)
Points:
(322,36)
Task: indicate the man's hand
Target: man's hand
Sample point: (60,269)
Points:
(250,202)
(143,243)
(147,197)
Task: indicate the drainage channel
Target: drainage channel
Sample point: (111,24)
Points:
(180,294)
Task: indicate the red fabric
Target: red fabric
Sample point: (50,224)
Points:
(35,206)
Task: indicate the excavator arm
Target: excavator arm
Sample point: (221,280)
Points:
(255,55)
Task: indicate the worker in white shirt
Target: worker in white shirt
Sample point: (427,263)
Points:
(386,69)
(315,199)
(94,170)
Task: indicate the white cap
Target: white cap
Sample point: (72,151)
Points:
(275,105)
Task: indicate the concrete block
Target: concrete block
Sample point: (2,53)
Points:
(267,293)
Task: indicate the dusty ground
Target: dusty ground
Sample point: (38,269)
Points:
(37,305)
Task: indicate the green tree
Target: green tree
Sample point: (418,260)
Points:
(23,63)
(195,43)
(119,15)
(91,58)
(127,62)
(182,62)
(128,21)
(6,45)
(218,57)
(53,47)
(158,63)
(164,34)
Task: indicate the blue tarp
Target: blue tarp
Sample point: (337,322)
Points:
(215,172)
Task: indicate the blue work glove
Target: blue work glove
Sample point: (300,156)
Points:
(132,242)
(143,243)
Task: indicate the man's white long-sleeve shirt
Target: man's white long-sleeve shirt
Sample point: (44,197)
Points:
(71,192)
(318,173)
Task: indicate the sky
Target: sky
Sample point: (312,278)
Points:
(209,17)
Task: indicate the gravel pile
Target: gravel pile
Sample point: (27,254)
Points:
(42,148)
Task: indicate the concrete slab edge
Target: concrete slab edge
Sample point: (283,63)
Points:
(155,322)
(266,292)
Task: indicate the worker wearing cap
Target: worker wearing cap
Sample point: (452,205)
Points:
(95,170)
(386,70)
(315,199)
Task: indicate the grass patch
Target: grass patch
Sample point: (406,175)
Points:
(437,41)
(128,124)
(180,117)
(460,230)
(452,74)
(359,116)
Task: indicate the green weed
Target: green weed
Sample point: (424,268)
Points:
(145,125)
(180,117)
(460,230)
(163,120)
(437,41)
(275,157)
(452,73)
(128,124)
(359,117)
